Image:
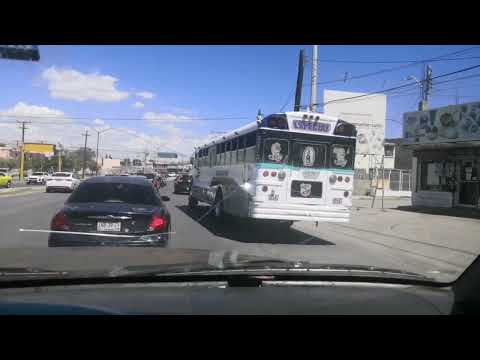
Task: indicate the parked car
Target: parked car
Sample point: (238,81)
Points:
(172,175)
(127,207)
(5,180)
(38,178)
(62,181)
(182,184)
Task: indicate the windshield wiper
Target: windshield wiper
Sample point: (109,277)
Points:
(270,267)
(29,272)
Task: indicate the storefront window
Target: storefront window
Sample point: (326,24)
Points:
(437,175)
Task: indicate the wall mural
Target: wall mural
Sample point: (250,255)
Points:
(450,123)
(370,140)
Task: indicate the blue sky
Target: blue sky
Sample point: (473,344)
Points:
(200,82)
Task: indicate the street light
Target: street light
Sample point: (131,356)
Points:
(98,139)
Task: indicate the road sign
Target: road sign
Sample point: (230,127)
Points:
(167,155)
(20,52)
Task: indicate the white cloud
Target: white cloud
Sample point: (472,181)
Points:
(145,94)
(163,118)
(36,114)
(54,126)
(138,105)
(73,85)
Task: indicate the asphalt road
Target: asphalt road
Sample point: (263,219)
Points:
(193,230)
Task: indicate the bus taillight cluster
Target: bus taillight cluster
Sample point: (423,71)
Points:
(281,174)
(334,178)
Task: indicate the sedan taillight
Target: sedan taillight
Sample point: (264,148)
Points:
(158,223)
(60,222)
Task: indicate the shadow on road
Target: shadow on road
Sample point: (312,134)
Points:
(248,231)
(455,212)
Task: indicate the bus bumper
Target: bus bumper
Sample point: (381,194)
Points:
(298,212)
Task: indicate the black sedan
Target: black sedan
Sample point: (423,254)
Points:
(182,184)
(112,211)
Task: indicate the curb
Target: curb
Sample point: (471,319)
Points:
(12,191)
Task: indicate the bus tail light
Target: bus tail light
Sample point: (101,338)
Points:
(282,175)
(332,179)
(264,188)
(265,173)
(273,173)
(347,179)
(345,194)
(339,178)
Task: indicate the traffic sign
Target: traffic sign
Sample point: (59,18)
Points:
(20,52)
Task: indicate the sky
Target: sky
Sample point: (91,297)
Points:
(172,98)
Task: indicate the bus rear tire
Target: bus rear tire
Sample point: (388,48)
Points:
(218,205)
(192,202)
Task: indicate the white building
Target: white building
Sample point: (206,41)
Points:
(111,166)
(369,116)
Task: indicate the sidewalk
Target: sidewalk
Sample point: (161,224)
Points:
(21,190)
(445,239)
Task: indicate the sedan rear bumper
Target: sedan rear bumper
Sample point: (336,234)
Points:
(66,240)
(60,188)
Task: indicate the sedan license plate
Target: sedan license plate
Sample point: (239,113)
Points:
(109,226)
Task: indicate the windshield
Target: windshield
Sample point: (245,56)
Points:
(342,156)
(114,193)
(275,151)
(228,149)
(309,155)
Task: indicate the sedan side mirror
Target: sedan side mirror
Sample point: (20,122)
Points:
(165,198)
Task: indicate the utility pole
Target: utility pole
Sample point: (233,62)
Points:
(313,91)
(22,152)
(98,139)
(298,92)
(426,88)
(84,154)
(145,162)
(59,160)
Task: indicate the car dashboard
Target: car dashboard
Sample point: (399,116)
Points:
(218,298)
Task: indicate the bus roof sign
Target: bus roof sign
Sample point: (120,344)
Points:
(20,52)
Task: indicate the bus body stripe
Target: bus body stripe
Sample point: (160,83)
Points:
(284,166)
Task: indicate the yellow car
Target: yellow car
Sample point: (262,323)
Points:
(5,180)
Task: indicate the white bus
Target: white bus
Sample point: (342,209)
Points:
(286,167)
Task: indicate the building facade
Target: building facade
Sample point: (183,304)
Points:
(368,114)
(446,155)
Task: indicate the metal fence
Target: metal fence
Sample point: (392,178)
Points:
(395,179)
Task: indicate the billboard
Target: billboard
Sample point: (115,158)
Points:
(46,149)
(368,114)
(167,155)
(446,124)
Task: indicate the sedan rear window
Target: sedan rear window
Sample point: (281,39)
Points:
(114,193)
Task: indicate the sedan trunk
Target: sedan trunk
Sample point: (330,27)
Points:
(112,218)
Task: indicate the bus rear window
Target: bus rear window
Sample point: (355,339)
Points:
(342,156)
(309,155)
(275,151)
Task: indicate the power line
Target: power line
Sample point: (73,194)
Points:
(393,61)
(418,62)
(123,119)
(403,86)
